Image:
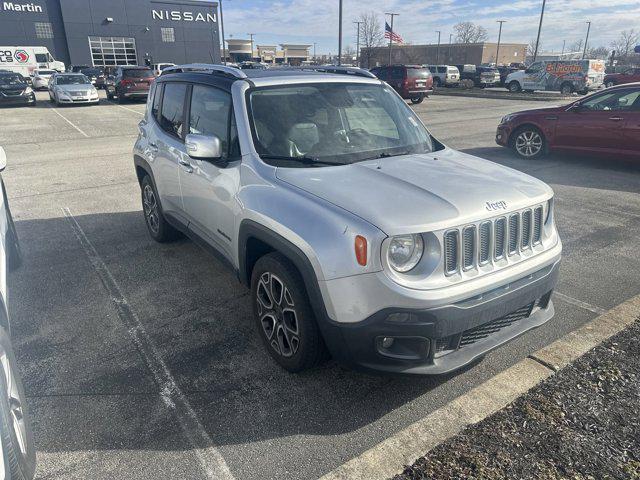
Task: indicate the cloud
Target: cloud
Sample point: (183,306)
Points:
(309,21)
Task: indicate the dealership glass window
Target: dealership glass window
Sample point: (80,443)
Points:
(209,114)
(172,111)
(112,51)
(44,29)
(168,34)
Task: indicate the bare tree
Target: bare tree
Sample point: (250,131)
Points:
(371,36)
(625,43)
(576,46)
(469,32)
(531,48)
(348,55)
(600,53)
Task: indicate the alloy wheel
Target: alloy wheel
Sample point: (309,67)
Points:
(278,316)
(15,402)
(528,143)
(150,206)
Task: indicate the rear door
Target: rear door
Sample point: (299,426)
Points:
(167,141)
(631,132)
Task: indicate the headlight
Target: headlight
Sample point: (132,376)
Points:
(549,208)
(405,251)
(64,94)
(506,119)
(28,90)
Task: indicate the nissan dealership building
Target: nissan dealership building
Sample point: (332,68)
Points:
(114,32)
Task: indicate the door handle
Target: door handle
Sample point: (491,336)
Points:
(187,166)
(616,119)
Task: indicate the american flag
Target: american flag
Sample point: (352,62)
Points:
(388,33)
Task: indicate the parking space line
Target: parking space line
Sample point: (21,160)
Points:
(202,444)
(125,108)
(579,303)
(69,122)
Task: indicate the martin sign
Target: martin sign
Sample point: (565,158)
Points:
(21,7)
(178,16)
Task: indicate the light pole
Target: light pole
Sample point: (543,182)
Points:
(340,35)
(450,37)
(535,52)
(584,52)
(564,42)
(499,37)
(251,37)
(391,33)
(224,55)
(358,44)
(438,49)
(314,52)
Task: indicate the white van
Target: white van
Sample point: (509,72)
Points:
(566,76)
(26,60)
(159,67)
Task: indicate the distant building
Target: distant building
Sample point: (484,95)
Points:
(240,50)
(451,54)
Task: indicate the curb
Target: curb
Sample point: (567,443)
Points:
(389,457)
(530,97)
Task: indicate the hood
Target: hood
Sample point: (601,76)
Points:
(419,193)
(556,109)
(14,88)
(76,88)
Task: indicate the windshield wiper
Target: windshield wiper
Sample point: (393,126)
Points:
(304,160)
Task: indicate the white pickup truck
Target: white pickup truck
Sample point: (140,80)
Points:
(25,60)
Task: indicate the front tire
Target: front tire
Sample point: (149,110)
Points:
(514,87)
(417,100)
(121,99)
(528,142)
(159,229)
(18,447)
(283,314)
(566,88)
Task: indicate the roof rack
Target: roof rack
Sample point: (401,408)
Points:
(356,71)
(205,68)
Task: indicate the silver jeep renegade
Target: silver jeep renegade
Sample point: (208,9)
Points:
(359,234)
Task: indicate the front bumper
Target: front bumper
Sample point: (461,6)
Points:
(80,100)
(136,93)
(11,100)
(446,338)
(503,133)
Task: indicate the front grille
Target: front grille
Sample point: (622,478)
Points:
(485,242)
(525,238)
(78,93)
(13,93)
(483,331)
(474,245)
(468,246)
(451,251)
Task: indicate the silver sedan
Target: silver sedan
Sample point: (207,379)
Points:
(66,88)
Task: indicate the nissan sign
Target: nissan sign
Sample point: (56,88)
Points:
(178,16)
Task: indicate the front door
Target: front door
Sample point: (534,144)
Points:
(598,123)
(534,77)
(209,187)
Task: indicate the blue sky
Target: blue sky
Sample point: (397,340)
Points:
(309,21)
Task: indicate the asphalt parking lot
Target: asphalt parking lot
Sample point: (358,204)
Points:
(97,405)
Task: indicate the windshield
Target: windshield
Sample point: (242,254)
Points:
(333,123)
(139,73)
(417,72)
(92,71)
(45,72)
(15,79)
(72,80)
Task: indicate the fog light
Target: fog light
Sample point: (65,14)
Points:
(499,136)
(387,342)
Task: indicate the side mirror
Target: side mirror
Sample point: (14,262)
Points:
(203,147)
(3,159)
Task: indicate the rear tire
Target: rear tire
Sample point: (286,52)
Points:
(609,84)
(417,100)
(109,95)
(437,83)
(566,88)
(121,99)
(514,86)
(15,422)
(159,229)
(283,314)
(528,142)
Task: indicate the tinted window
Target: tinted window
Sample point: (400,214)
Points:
(417,72)
(209,115)
(156,101)
(41,58)
(139,73)
(620,100)
(172,116)
(71,80)
(11,79)
(397,73)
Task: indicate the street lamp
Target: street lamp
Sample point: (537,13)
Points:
(535,52)
(358,44)
(251,37)
(438,49)
(499,36)
(340,35)
(586,40)
(224,55)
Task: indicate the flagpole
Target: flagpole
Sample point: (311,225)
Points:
(391,33)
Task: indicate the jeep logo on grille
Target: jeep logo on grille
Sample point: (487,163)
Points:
(492,206)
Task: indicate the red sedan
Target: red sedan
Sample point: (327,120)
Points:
(606,122)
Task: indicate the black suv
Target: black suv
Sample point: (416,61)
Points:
(130,82)
(412,82)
